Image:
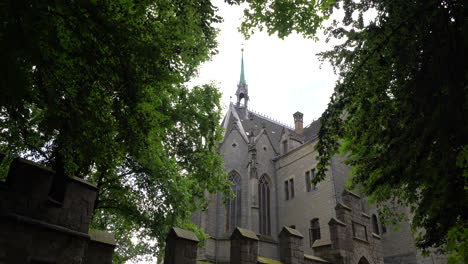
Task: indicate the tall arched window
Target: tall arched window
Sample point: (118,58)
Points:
(375,225)
(264,203)
(233,207)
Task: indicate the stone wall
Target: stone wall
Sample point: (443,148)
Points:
(351,235)
(35,227)
(317,203)
(399,244)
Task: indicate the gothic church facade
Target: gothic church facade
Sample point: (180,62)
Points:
(271,166)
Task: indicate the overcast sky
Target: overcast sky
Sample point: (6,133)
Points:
(283,76)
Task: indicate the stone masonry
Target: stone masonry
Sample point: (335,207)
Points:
(244,246)
(351,235)
(34,228)
(291,251)
(181,247)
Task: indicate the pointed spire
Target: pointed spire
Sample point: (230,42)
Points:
(242,88)
(242,76)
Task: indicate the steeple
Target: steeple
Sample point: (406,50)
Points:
(242,76)
(242,88)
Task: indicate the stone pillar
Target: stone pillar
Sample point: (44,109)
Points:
(244,246)
(181,247)
(338,234)
(291,248)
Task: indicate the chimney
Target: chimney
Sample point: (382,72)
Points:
(298,123)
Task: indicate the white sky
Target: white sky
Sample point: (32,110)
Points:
(284,76)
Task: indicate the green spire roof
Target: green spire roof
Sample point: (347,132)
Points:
(242,77)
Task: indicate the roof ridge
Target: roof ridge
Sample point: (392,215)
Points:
(270,119)
(313,121)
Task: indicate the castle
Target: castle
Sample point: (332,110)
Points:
(271,166)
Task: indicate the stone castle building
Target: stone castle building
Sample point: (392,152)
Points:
(271,165)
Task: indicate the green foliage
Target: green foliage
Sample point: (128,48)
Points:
(4,166)
(457,244)
(94,89)
(284,17)
(399,105)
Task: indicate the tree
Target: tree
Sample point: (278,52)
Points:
(400,103)
(95,89)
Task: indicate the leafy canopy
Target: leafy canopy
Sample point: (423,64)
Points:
(399,106)
(95,89)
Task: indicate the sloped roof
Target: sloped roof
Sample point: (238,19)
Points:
(292,231)
(245,233)
(255,122)
(248,121)
(311,131)
(185,234)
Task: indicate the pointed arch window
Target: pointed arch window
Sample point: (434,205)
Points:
(233,206)
(264,203)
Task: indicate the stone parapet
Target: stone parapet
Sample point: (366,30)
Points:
(244,246)
(338,234)
(181,247)
(37,228)
(291,247)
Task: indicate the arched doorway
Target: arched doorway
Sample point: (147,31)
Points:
(363,260)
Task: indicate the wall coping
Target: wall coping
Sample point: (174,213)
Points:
(102,237)
(267,239)
(352,193)
(310,257)
(34,164)
(83,182)
(184,234)
(245,233)
(31,221)
(291,231)
(344,206)
(336,221)
(365,215)
(321,243)
(374,235)
(264,260)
